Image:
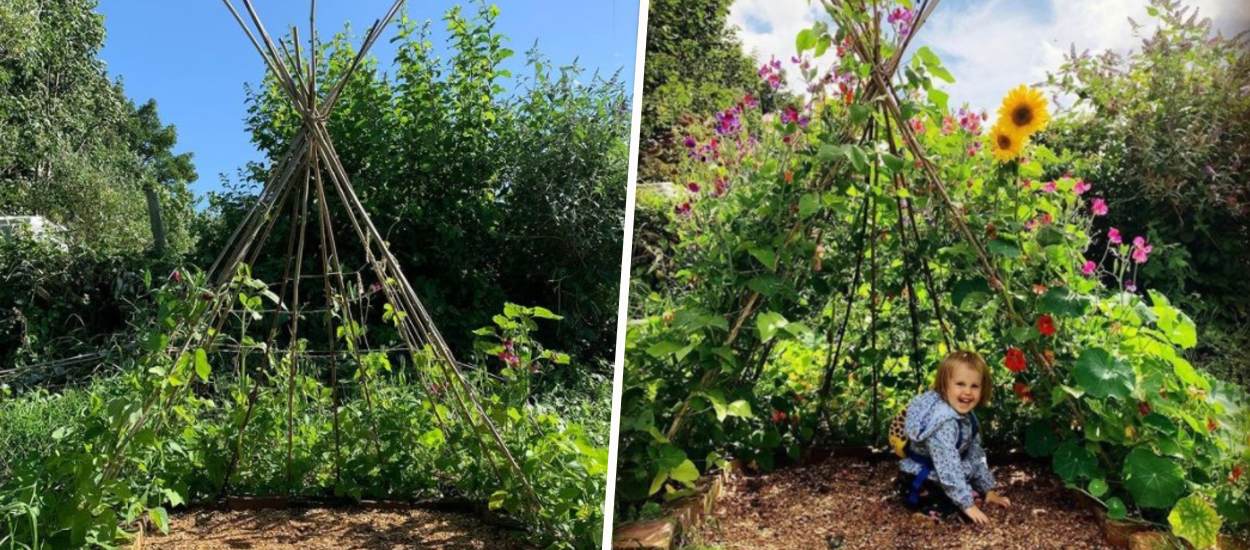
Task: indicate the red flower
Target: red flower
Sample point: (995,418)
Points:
(789,176)
(1212,425)
(1046,325)
(1015,360)
(778,416)
(1235,475)
(175,276)
(1143,408)
(1022,391)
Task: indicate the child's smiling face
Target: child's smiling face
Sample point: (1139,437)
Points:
(963,388)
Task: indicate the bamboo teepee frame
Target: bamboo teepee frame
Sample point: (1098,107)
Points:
(309,166)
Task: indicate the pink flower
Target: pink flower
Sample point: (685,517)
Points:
(1130,285)
(974,148)
(948,125)
(1081,187)
(693,187)
(1141,250)
(719,187)
(750,101)
(1088,268)
(1113,235)
(1099,206)
(1050,186)
(508,355)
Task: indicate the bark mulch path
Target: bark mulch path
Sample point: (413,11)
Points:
(330,528)
(844,503)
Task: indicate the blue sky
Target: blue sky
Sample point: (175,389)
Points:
(194,59)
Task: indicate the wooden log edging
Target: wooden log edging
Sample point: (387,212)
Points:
(680,517)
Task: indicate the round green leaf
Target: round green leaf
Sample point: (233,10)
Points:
(1154,481)
(685,472)
(1102,375)
(1195,520)
(1116,508)
(1073,462)
(1097,487)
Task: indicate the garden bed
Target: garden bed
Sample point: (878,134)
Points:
(850,502)
(336,528)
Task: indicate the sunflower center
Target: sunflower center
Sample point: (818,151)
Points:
(1022,115)
(1004,141)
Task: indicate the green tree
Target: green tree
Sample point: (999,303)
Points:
(695,65)
(1163,133)
(487,196)
(67,151)
(165,175)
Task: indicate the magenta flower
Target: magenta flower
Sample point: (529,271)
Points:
(974,148)
(1141,250)
(1081,187)
(1130,285)
(690,142)
(1050,186)
(719,187)
(693,187)
(970,121)
(683,209)
(1099,206)
(508,355)
(750,101)
(1113,235)
(1088,268)
(902,19)
(727,122)
(790,115)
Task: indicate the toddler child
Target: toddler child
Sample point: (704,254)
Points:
(944,462)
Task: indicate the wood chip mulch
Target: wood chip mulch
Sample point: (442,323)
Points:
(846,503)
(330,528)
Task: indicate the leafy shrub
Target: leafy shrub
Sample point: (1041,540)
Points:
(816,272)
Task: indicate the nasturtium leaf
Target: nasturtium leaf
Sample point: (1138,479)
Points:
(768,324)
(717,399)
(1073,462)
(1003,247)
(669,456)
(1154,481)
(160,518)
(202,368)
(1102,375)
(685,472)
(1116,508)
(1040,439)
(1231,507)
(1050,235)
(1177,326)
(1186,372)
(1195,520)
(1097,487)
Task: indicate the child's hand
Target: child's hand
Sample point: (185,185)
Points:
(997,499)
(976,515)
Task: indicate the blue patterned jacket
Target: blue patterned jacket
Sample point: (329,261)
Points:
(933,430)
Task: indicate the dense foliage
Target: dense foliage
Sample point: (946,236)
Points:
(695,64)
(73,148)
(130,448)
(817,262)
(1166,128)
(486,196)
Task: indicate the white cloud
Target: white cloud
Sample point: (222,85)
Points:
(992,45)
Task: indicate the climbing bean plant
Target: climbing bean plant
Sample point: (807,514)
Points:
(816,263)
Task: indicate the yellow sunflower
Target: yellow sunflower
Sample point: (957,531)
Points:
(1023,111)
(1004,143)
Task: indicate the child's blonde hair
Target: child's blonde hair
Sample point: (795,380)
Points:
(970,359)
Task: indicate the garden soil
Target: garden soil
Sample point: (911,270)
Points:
(851,503)
(330,528)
